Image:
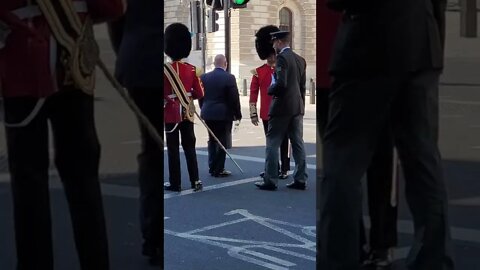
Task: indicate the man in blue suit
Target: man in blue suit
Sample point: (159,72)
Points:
(220,106)
(137,38)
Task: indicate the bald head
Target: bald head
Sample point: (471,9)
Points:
(220,61)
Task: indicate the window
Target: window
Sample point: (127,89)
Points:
(286,22)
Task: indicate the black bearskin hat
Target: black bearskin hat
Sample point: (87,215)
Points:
(263,42)
(177,41)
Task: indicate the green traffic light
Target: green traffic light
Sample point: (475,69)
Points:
(239,2)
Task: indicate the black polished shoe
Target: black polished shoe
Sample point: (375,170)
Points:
(297,185)
(263,186)
(283,175)
(223,173)
(197,185)
(167,186)
(379,259)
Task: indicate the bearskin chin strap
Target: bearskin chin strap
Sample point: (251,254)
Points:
(76,38)
(180,91)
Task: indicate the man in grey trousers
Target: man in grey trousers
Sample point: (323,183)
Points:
(386,63)
(286,114)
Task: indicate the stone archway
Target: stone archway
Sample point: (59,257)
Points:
(298,22)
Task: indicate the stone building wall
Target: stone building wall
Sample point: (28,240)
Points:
(244,23)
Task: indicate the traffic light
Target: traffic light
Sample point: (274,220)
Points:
(212,25)
(196,17)
(238,3)
(215,4)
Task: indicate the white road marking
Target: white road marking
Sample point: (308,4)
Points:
(132,142)
(5,177)
(460,102)
(451,116)
(250,250)
(253,159)
(250,158)
(474,201)
(122,191)
(458,233)
(130,192)
(212,187)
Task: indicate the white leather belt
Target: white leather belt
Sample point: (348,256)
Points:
(34,11)
(172,96)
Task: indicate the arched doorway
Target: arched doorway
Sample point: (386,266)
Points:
(286,22)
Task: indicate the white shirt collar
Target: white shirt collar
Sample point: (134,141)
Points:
(284,49)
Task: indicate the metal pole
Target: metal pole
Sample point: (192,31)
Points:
(312,91)
(226,11)
(468,18)
(204,36)
(244,87)
(218,141)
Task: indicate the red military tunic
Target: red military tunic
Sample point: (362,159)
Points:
(28,62)
(327,24)
(261,80)
(193,86)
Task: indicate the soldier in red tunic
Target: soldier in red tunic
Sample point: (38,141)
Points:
(261,80)
(40,84)
(178,118)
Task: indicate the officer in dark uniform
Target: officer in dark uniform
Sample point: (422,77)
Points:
(286,114)
(387,59)
(381,176)
(261,81)
(137,40)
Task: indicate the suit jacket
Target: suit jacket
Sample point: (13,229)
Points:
(288,91)
(137,38)
(27,66)
(221,101)
(389,36)
(328,22)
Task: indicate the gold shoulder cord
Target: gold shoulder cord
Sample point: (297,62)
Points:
(180,91)
(84,54)
(83,50)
